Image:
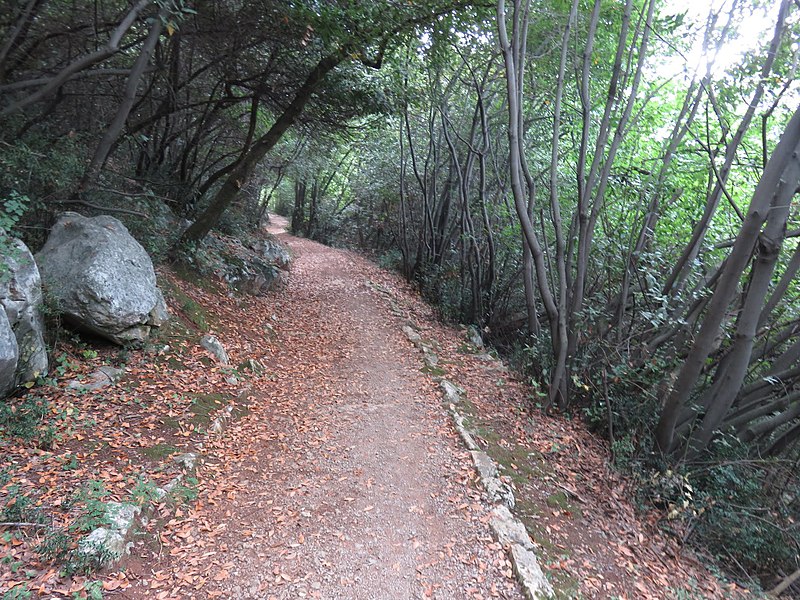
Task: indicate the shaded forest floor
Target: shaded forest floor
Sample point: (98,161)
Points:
(338,474)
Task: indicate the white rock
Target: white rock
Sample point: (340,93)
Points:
(512,533)
(414,337)
(215,347)
(9,355)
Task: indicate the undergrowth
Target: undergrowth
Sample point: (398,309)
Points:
(722,503)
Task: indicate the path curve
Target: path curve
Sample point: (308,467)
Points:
(347,479)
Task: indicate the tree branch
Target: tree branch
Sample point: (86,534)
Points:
(111,48)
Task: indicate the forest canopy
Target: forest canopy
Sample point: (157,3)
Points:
(606,189)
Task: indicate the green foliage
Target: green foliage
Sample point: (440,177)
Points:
(40,166)
(85,561)
(390,260)
(18,508)
(440,284)
(14,208)
(144,492)
(59,547)
(19,592)
(65,364)
(177,12)
(94,590)
(187,491)
(56,546)
(370,143)
(93,511)
(743,518)
(27,420)
(727,508)
(158,232)
(32,171)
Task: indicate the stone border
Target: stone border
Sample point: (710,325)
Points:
(113,542)
(508,530)
(386,293)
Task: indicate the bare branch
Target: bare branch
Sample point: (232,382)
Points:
(82,63)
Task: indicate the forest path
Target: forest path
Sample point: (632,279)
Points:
(346,480)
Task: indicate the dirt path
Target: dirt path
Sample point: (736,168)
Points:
(346,480)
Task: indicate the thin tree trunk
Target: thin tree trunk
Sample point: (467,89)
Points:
(109,49)
(129,97)
(558,388)
(520,204)
(19,30)
(732,371)
(780,289)
(239,176)
(742,250)
(681,269)
(299,212)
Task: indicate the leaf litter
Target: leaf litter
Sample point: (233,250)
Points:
(343,478)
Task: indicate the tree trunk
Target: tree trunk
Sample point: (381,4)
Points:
(84,62)
(513,60)
(765,192)
(299,212)
(239,176)
(681,269)
(131,86)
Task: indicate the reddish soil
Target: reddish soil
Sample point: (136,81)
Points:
(345,480)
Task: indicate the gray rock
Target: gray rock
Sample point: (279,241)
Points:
(102,278)
(430,359)
(484,464)
(254,366)
(21,298)
(281,281)
(103,377)
(257,279)
(452,393)
(121,515)
(250,274)
(170,487)
(9,355)
(498,491)
(512,534)
(474,337)
(243,268)
(159,315)
(215,347)
(274,253)
(413,337)
(461,425)
(218,425)
(187,461)
(104,543)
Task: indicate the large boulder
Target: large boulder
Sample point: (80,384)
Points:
(8,355)
(21,299)
(102,278)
